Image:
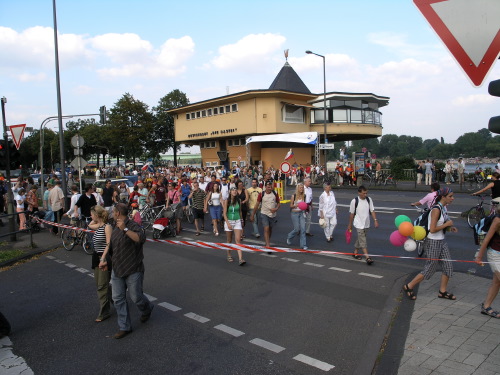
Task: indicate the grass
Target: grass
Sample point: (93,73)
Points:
(6,255)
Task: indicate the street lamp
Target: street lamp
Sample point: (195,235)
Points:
(324,97)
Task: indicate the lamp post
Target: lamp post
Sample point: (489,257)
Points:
(324,98)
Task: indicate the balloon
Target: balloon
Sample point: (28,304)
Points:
(397,239)
(400,219)
(406,228)
(302,206)
(410,245)
(419,233)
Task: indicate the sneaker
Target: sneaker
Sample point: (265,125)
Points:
(305,248)
(288,242)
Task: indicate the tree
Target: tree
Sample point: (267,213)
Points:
(388,144)
(163,138)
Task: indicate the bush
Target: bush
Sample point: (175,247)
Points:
(399,164)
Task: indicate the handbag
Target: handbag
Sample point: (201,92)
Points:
(322,223)
(210,203)
(348,235)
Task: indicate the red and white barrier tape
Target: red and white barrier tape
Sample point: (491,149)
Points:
(256,248)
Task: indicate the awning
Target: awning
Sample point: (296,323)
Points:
(306,137)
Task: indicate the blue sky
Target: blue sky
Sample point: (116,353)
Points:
(206,48)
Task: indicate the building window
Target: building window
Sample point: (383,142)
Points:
(198,114)
(188,116)
(209,112)
(339,115)
(234,107)
(228,108)
(236,142)
(207,144)
(293,114)
(204,113)
(207,164)
(221,110)
(216,111)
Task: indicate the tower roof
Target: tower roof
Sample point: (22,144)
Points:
(288,80)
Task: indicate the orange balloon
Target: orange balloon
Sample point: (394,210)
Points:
(406,228)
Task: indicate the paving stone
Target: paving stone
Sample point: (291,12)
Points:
(475,324)
(461,331)
(413,370)
(432,363)
(458,366)
(462,321)
(435,353)
(488,366)
(444,348)
(483,372)
(456,341)
(443,338)
(479,335)
(459,355)
(417,359)
(475,359)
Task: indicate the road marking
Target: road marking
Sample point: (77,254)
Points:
(314,264)
(229,330)
(150,298)
(70,265)
(269,255)
(60,261)
(291,259)
(196,317)
(82,270)
(313,362)
(169,306)
(339,269)
(90,274)
(51,257)
(370,275)
(267,345)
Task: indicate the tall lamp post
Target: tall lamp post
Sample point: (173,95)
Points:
(324,98)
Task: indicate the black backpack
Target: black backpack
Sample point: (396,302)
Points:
(423,220)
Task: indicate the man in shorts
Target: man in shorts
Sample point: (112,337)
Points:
(269,203)
(360,210)
(198,198)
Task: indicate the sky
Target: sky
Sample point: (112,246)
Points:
(208,49)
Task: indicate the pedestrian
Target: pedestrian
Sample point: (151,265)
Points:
(269,204)
(494,185)
(461,171)
(56,199)
(126,247)
(436,247)
(232,222)
(447,170)
(109,196)
(32,199)
(174,199)
(491,245)
(20,198)
(101,256)
(85,202)
(253,194)
(213,204)
(360,210)
(420,172)
(197,196)
(428,172)
(243,195)
(328,210)
(298,217)
(309,200)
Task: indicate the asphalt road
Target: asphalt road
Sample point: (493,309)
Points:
(285,314)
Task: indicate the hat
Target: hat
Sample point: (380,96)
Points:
(496,200)
(322,223)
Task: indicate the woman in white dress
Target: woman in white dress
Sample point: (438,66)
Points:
(328,210)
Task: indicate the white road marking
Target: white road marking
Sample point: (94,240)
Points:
(229,330)
(339,269)
(269,255)
(267,345)
(291,259)
(150,298)
(82,270)
(70,265)
(314,264)
(91,275)
(59,261)
(313,362)
(196,317)
(370,275)
(51,257)
(169,306)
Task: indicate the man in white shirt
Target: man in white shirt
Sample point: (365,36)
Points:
(360,210)
(224,188)
(202,184)
(309,200)
(56,201)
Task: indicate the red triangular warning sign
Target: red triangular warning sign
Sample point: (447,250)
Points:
(469,29)
(17,132)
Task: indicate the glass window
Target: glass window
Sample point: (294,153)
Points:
(319,116)
(376,118)
(207,164)
(242,164)
(294,114)
(228,108)
(204,113)
(368,117)
(354,103)
(198,114)
(229,142)
(221,110)
(234,108)
(373,106)
(339,115)
(216,111)
(356,116)
(336,103)
(209,112)
(188,116)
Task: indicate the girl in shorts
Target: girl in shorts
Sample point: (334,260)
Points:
(232,222)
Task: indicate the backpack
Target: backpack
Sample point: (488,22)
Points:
(423,220)
(481,228)
(356,201)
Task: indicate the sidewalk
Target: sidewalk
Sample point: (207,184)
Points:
(452,337)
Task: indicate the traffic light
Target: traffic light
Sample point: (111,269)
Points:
(3,155)
(494,123)
(102,114)
(14,156)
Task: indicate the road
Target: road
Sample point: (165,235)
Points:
(281,314)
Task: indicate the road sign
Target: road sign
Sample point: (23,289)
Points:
(77,141)
(326,146)
(469,29)
(83,163)
(374,156)
(285,167)
(17,132)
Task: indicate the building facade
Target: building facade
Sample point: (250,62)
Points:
(221,126)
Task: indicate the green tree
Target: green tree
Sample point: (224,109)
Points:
(388,144)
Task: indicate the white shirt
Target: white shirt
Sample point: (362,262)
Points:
(327,205)
(203,185)
(440,234)
(225,191)
(309,194)
(20,198)
(362,217)
(74,199)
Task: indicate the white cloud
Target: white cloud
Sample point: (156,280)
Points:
(82,90)
(473,100)
(122,48)
(252,52)
(26,77)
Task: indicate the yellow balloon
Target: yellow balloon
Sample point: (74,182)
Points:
(418,233)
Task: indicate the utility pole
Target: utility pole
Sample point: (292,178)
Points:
(10,198)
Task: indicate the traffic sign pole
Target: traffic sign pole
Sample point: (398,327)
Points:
(10,198)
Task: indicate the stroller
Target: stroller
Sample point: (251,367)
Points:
(32,223)
(165,226)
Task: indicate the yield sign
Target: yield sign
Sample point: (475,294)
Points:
(17,132)
(470,29)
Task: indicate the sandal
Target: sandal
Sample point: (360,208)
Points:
(197,234)
(356,256)
(369,261)
(242,262)
(409,292)
(489,311)
(230,259)
(446,295)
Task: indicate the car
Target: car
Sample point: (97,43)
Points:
(36,178)
(101,183)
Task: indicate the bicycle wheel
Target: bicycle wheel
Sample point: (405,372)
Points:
(189,215)
(147,219)
(88,243)
(420,248)
(156,233)
(474,216)
(68,238)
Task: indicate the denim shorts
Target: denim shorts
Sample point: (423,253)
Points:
(267,221)
(216,212)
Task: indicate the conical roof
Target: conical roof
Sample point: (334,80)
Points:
(288,80)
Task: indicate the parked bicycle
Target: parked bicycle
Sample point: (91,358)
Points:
(476,213)
(72,237)
(149,214)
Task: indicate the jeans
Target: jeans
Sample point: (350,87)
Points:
(256,220)
(120,285)
(299,227)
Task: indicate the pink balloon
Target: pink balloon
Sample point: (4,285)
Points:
(397,239)
(302,206)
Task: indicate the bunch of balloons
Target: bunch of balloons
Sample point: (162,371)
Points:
(406,229)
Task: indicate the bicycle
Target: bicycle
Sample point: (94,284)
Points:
(149,214)
(188,213)
(476,213)
(72,237)
(476,181)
